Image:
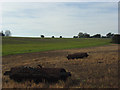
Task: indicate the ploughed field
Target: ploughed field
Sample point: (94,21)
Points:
(99,69)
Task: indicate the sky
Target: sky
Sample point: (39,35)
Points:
(67,19)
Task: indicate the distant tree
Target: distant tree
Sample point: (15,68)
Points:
(42,36)
(53,37)
(86,35)
(96,36)
(83,35)
(7,33)
(109,35)
(75,36)
(2,34)
(116,39)
(80,35)
(104,37)
(60,36)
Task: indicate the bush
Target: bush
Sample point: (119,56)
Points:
(42,36)
(53,37)
(75,36)
(60,36)
(116,39)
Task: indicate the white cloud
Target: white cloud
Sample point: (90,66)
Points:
(67,19)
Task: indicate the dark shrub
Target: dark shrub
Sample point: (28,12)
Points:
(116,39)
(42,36)
(75,36)
(53,37)
(77,55)
(23,73)
(60,36)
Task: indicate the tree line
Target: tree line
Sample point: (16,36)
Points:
(80,35)
(115,37)
(42,36)
(86,35)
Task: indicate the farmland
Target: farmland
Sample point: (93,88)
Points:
(16,45)
(98,70)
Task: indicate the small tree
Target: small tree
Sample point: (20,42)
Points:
(53,37)
(42,36)
(60,36)
(7,33)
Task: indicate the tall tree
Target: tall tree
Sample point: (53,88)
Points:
(7,33)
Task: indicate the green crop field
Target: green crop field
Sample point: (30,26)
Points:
(16,45)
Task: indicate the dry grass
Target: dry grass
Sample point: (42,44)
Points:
(99,70)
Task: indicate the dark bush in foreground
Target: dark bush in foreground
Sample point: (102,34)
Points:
(77,55)
(116,39)
(38,74)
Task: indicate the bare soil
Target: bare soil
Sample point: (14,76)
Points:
(98,70)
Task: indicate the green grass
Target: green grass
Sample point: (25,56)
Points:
(16,45)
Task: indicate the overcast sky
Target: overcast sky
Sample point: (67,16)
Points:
(59,18)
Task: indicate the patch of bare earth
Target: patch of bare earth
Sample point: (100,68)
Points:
(98,70)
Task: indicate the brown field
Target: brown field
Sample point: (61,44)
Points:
(98,70)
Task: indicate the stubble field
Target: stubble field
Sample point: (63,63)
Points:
(98,70)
